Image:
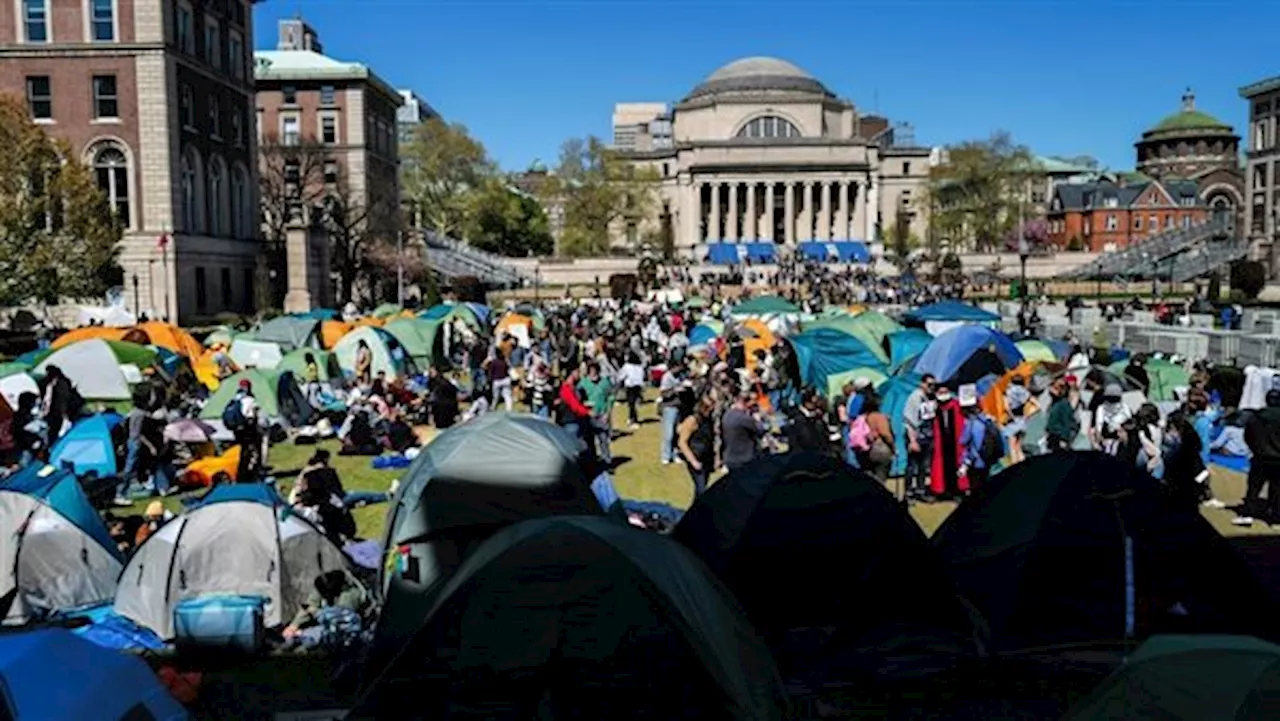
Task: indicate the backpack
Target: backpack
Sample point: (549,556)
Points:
(860,434)
(992,450)
(233,415)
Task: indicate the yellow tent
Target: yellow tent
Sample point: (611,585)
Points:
(369,321)
(511,319)
(205,366)
(167,335)
(755,336)
(89,332)
(331,331)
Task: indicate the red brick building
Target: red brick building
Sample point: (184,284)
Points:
(1113,211)
(155,95)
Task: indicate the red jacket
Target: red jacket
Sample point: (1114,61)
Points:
(569,399)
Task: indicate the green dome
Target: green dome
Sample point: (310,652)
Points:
(1191,120)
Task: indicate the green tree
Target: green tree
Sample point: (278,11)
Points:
(975,195)
(58,237)
(506,221)
(1249,277)
(902,241)
(597,188)
(440,168)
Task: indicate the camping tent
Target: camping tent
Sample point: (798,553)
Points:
(765,305)
(389,355)
(242,540)
(89,446)
(966,353)
(288,332)
(89,332)
(167,335)
(52,673)
(579,617)
(445,313)
(97,367)
(702,334)
(823,352)
(905,347)
(387,311)
(220,336)
(248,353)
(277,393)
(837,381)
(770,532)
(864,331)
(420,337)
(1165,378)
(992,398)
(1190,677)
(469,481)
(55,554)
(1075,547)
(893,402)
(1047,351)
(296,363)
(13,386)
(940,317)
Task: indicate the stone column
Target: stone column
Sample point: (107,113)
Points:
(731,232)
(297,242)
(859,211)
(806,226)
(768,213)
(713,230)
(789,213)
(824,215)
(687,229)
(842,212)
(751,221)
(873,209)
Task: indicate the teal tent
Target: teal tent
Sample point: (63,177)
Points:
(1164,377)
(837,381)
(905,346)
(893,400)
(765,305)
(420,337)
(296,363)
(825,351)
(865,332)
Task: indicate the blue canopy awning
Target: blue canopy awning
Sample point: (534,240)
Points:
(846,251)
(952,310)
(734,253)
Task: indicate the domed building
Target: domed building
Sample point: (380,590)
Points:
(1195,145)
(762,154)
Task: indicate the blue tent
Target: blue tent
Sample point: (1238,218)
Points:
(893,400)
(702,334)
(824,351)
(966,353)
(54,674)
(318,314)
(952,310)
(88,446)
(59,490)
(905,346)
(481,310)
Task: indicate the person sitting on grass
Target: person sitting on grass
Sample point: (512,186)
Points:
(333,615)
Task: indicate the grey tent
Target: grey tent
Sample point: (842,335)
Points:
(289,332)
(579,617)
(469,482)
(240,541)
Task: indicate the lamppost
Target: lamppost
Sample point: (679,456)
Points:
(137,304)
(1024,251)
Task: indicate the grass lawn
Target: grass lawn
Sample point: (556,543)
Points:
(641,476)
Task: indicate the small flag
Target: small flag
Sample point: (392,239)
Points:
(163,241)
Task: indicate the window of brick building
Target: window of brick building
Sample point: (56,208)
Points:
(1153,222)
(111,170)
(1112,222)
(328,129)
(331,172)
(1168,221)
(1186,221)
(289,95)
(102,19)
(328,95)
(106,103)
(40,97)
(35,20)
(235,55)
(237,129)
(290,130)
(1137,222)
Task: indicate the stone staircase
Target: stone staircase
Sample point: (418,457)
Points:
(450,259)
(1153,255)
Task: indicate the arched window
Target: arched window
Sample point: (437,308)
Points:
(192,192)
(241,212)
(216,190)
(111,168)
(769,126)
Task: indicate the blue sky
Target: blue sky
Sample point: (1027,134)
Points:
(1083,77)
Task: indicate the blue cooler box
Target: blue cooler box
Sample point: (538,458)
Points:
(220,622)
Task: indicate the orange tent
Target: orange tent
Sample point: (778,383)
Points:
(369,321)
(757,336)
(993,402)
(167,335)
(89,332)
(204,471)
(331,331)
(511,319)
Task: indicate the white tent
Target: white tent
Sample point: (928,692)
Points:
(240,542)
(255,353)
(12,387)
(92,367)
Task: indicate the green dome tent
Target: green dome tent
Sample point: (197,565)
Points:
(264,391)
(836,381)
(420,337)
(389,354)
(871,331)
(1190,677)
(444,313)
(387,310)
(579,617)
(1164,377)
(765,305)
(296,362)
(96,367)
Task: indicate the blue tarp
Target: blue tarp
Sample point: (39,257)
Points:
(60,490)
(952,310)
(905,346)
(893,399)
(88,446)
(825,351)
(966,353)
(702,334)
(845,251)
(54,674)
(318,314)
(734,253)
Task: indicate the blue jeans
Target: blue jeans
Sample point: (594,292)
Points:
(130,468)
(667,450)
(543,411)
(165,476)
(602,429)
(699,479)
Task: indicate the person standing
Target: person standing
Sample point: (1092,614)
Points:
(241,417)
(740,432)
(499,371)
(669,392)
(364,363)
(57,403)
(1109,420)
(979,440)
(948,454)
(697,442)
(1262,435)
(572,414)
(133,422)
(1062,425)
(918,414)
(599,392)
(1016,399)
(631,375)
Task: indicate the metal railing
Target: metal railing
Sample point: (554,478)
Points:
(1141,258)
(453,258)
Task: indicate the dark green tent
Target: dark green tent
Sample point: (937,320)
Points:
(827,564)
(1190,678)
(579,618)
(1079,547)
(469,482)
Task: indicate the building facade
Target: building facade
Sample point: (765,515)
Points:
(641,126)
(155,96)
(1115,211)
(328,135)
(762,151)
(1193,144)
(1262,171)
(413,111)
